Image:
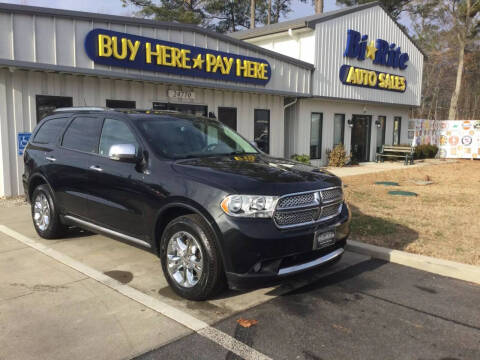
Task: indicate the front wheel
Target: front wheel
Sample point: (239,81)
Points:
(190,259)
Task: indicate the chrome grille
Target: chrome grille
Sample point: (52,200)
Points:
(330,210)
(300,200)
(284,218)
(308,208)
(331,195)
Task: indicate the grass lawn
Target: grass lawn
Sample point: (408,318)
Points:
(443,221)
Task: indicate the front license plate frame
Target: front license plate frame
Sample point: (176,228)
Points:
(323,238)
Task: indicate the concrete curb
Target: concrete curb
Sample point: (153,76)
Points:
(451,269)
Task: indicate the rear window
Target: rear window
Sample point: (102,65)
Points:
(82,134)
(50,130)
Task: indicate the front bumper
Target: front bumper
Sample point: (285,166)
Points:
(257,253)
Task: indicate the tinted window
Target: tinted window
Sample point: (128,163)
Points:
(228,116)
(46,104)
(262,129)
(50,131)
(120,104)
(177,137)
(82,134)
(115,132)
(316,136)
(397,121)
(382,120)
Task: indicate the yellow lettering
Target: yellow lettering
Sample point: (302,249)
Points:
(133,47)
(211,61)
(185,58)
(176,57)
(116,54)
(104,45)
(228,65)
(251,69)
(359,74)
(351,78)
(149,53)
(241,67)
(403,85)
(372,78)
(167,56)
(219,64)
(262,74)
(381,78)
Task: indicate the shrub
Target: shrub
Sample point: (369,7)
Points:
(301,158)
(425,151)
(337,157)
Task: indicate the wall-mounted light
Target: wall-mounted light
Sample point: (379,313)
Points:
(350,123)
(364,109)
(378,123)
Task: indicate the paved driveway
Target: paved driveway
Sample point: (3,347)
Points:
(359,309)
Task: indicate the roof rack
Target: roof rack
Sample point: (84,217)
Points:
(79,108)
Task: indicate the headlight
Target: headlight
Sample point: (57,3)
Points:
(249,205)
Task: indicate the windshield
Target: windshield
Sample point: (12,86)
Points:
(186,137)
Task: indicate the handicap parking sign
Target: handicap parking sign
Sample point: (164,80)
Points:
(22,140)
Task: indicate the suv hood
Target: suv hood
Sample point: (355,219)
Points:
(256,174)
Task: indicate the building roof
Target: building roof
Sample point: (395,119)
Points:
(311,21)
(125,20)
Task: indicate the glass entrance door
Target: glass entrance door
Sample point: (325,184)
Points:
(360,143)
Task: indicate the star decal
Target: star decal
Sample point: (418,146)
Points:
(371,50)
(198,62)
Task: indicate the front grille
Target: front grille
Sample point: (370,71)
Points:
(286,218)
(331,210)
(331,195)
(294,201)
(308,208)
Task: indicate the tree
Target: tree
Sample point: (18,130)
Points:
(394,7)
(252,14)
(184,11)
(317,5)
(275,8)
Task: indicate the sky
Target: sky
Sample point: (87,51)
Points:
(114,7)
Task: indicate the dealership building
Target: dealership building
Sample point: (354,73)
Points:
(350,76)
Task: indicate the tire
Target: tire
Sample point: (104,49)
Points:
(211,280)
(51,228)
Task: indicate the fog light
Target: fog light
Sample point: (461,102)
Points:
(257,267)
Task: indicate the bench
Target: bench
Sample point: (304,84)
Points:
(403,152)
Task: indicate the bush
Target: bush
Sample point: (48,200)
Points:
(301,158)
(337,157)
(425,151)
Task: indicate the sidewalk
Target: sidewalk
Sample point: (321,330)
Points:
(50,311)
(373,167)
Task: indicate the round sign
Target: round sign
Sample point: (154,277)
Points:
(467,140)
(453,140)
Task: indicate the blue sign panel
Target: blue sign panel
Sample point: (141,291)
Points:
(22,141)
(118,49)
(355,76)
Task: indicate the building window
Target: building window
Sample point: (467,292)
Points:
(262,129)
(381,132)
(198,110)
(228,116)
(121,104)
(316,136)
(338,129)
(46,104)
(397,127)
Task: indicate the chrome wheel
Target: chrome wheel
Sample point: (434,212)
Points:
(184,259)
(41,212)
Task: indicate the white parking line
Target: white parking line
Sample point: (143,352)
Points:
(183,318)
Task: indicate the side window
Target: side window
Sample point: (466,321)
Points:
(82,134)
(50,130)
(115,132)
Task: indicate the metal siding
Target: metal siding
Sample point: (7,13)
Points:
(59,41)
(331,37)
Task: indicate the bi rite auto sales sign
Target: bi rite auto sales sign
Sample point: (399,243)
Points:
(113,48)
(381,53)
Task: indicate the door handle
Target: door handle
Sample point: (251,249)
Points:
(50,158)
(96,168)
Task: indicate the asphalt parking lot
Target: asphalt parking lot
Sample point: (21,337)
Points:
(360,309)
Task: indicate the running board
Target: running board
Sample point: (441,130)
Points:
(108,231)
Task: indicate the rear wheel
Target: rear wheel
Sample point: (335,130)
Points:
(190,259)
(45,215)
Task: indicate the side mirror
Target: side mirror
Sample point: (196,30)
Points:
(123,152)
